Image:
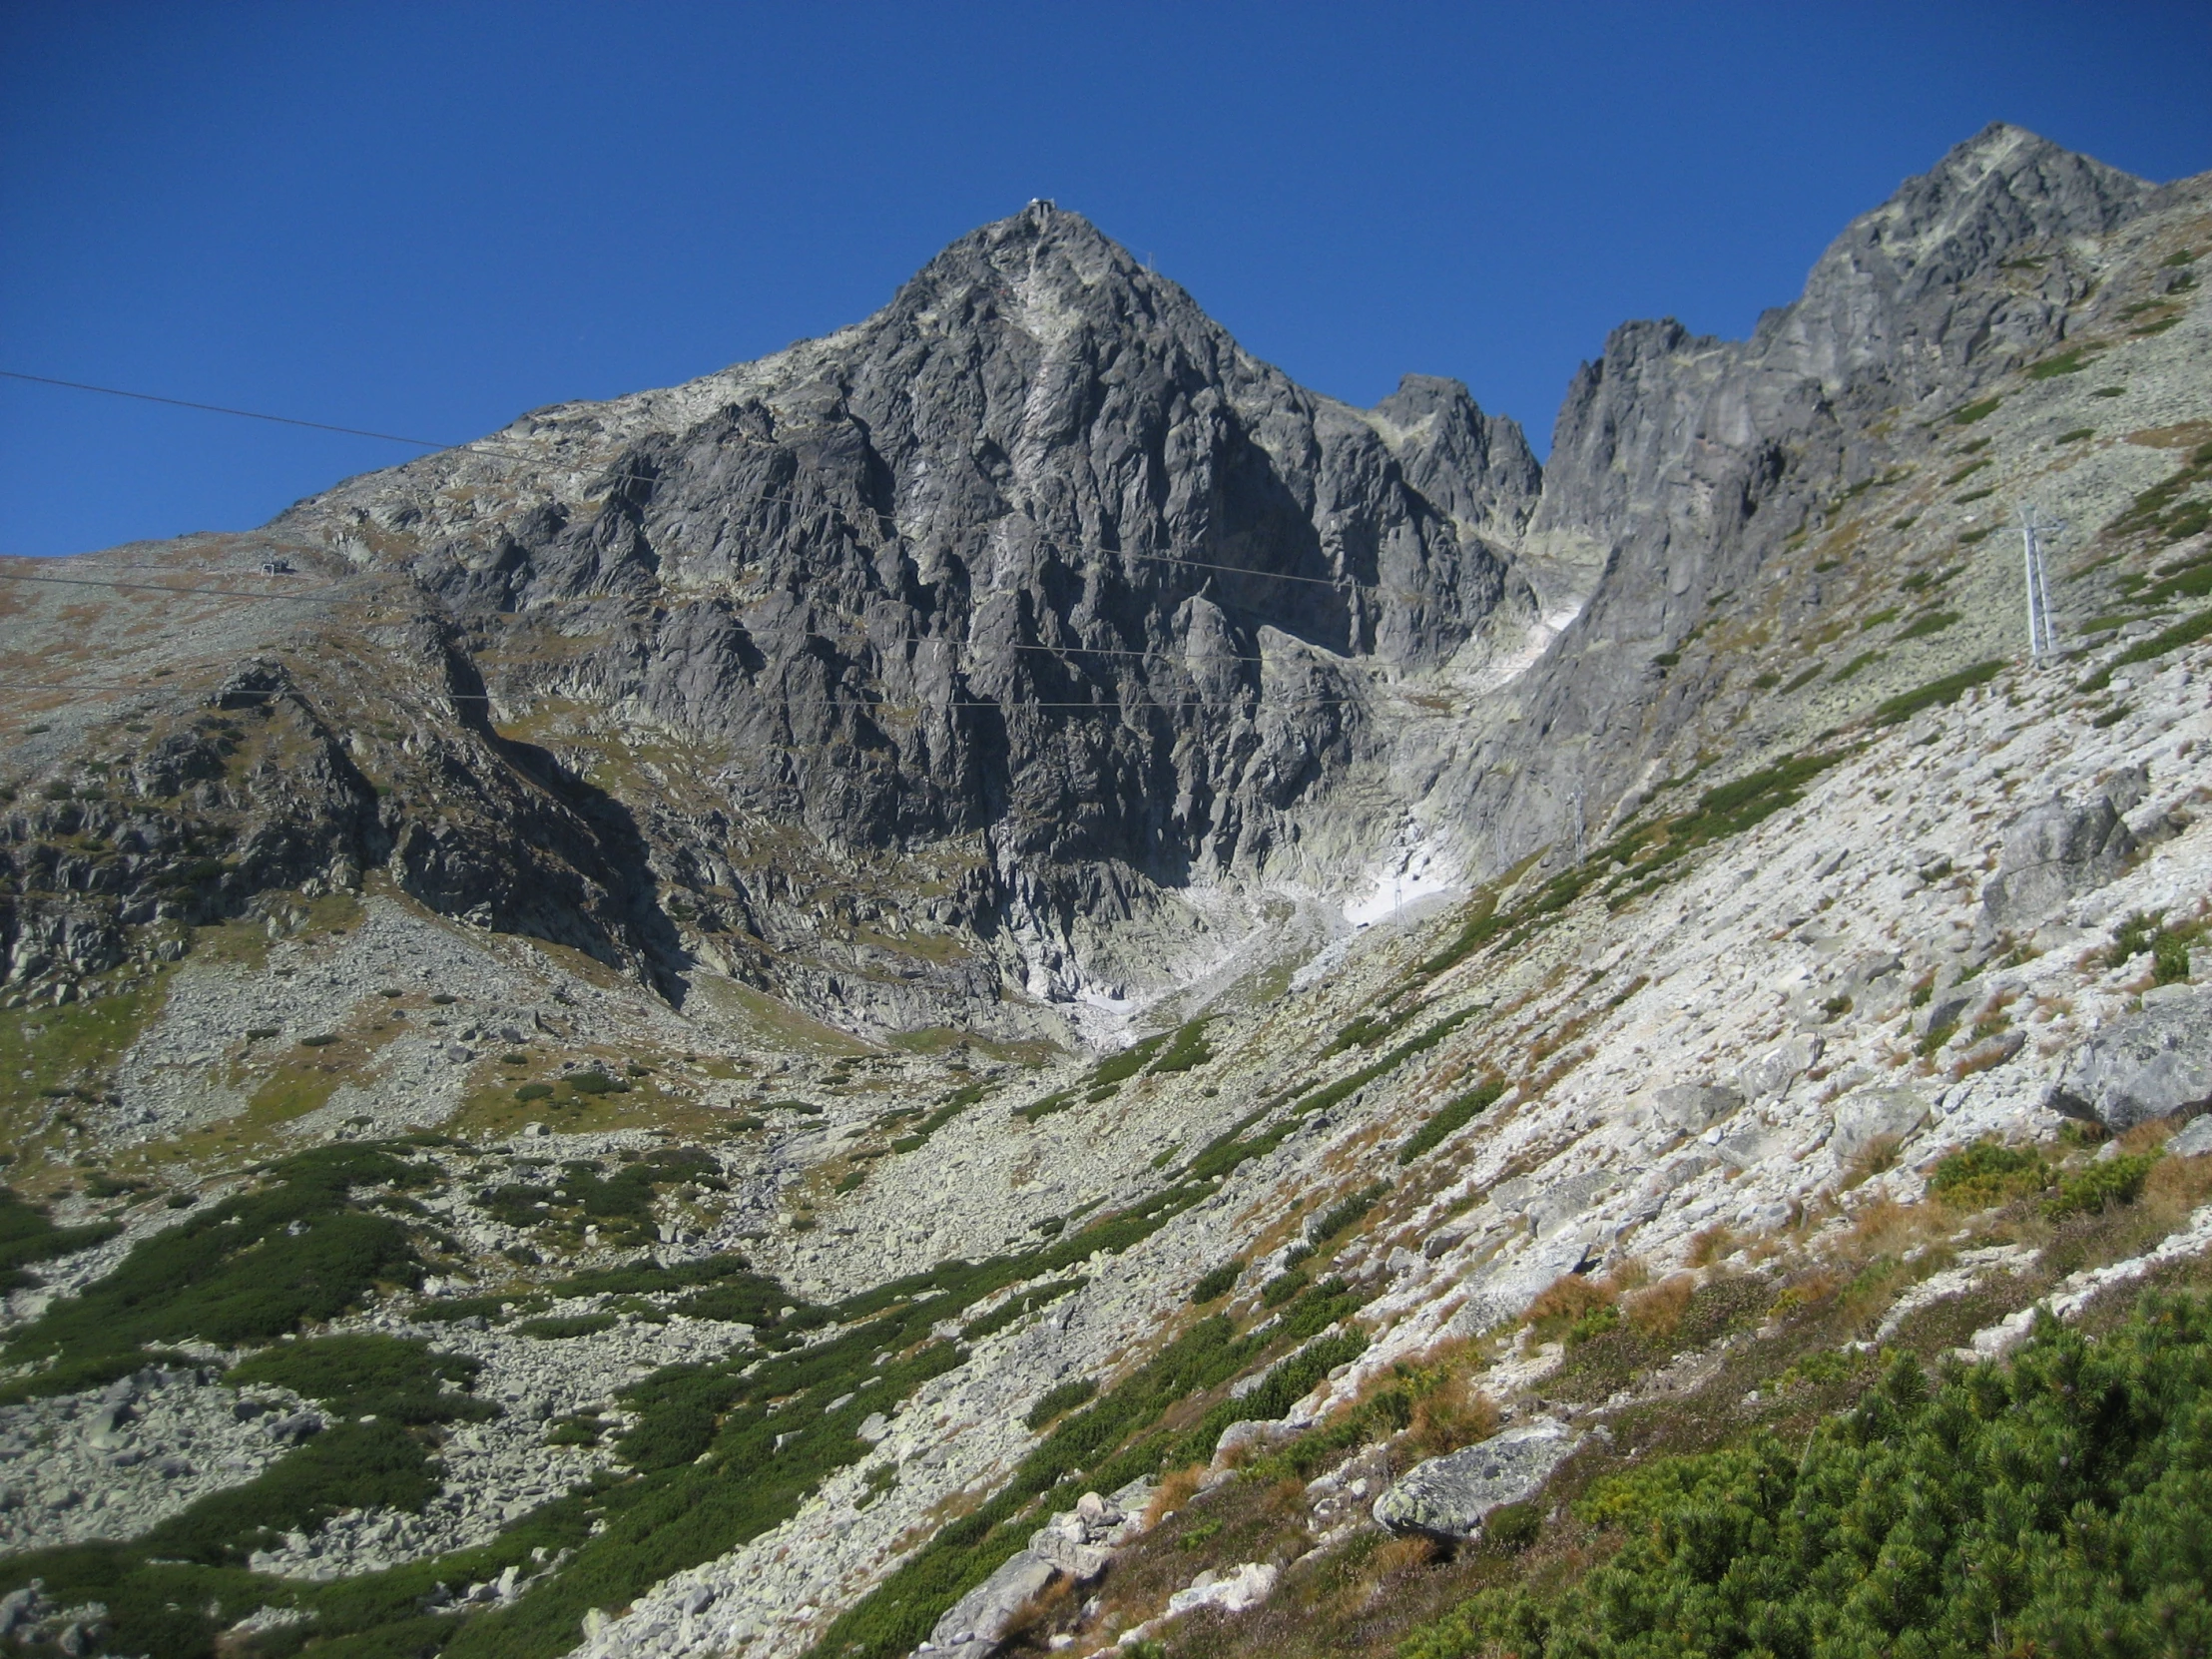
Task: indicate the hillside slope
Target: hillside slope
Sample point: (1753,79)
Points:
(519,1145)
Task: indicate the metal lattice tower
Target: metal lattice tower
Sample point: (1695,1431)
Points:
(2036,531)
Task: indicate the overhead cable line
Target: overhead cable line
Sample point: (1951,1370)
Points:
(218,408)
(166,587)
(879,705)
(476,446)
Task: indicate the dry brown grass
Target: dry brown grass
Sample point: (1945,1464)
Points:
(1286,1501)
(1877,1154)
(1401,1557)
(1658,1311)
(1712,1244)
(1174,1490)
(1450,1417)
(1884,1227)
(1567,1298)
(2176,1186)
(1631,1273)
(1814,1290)
(1051,1608)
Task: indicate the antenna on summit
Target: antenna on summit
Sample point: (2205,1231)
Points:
(2035,531)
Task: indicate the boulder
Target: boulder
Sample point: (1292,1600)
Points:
(1866,1115)
(1774,1071)
(2144,1065)
(2193,1141)
(2053,851)
(1694,1107)
(1231,1592)
(979,1620)
(1448,1496)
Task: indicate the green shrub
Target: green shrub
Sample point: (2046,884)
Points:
(1512,1526)
(1282,1288)
(1216,1283)
(1044,1108)
(533,1091)
(555,1328)
(1453,1116)
(1119,1068)
(397,1377)
(1019,1307)
(1988,1173)
(2070,362)
(1058,1401)
(1345,1214)
(1948,690)
(1930,622)
(2100,1185)
(296,1250)
(2056,1505)
(2187,631)
(1188,1048)
(596,1082)
(26,1235)
(1976,411)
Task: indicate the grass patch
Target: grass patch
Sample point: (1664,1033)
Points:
(1449,1119)
(1935,693)
(1920,627)
(2185,632)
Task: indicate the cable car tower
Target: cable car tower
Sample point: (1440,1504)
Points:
(2035,532)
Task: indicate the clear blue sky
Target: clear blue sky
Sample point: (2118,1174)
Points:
(426,218)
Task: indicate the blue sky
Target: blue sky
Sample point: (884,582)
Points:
(425,219)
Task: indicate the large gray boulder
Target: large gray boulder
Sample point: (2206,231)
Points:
(1863,1117)
(979,1620)
(1774,1071)
(2144,1065)
(1449,1496)
(2053,851)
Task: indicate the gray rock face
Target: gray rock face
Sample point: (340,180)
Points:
(2143,1066)
(1694,1107)
(1448,1496)
(2053,851)
(1683,463)
(2194,1141)
(1780,1066)
(1868,1115)
(1037,554)
(979,1620)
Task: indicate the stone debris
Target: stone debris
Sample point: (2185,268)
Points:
(2077,1289)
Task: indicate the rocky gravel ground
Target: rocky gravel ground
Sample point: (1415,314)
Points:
(118,1462)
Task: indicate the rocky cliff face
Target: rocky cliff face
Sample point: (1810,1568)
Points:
(1006,652)
(1691,467)
(1037,561)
